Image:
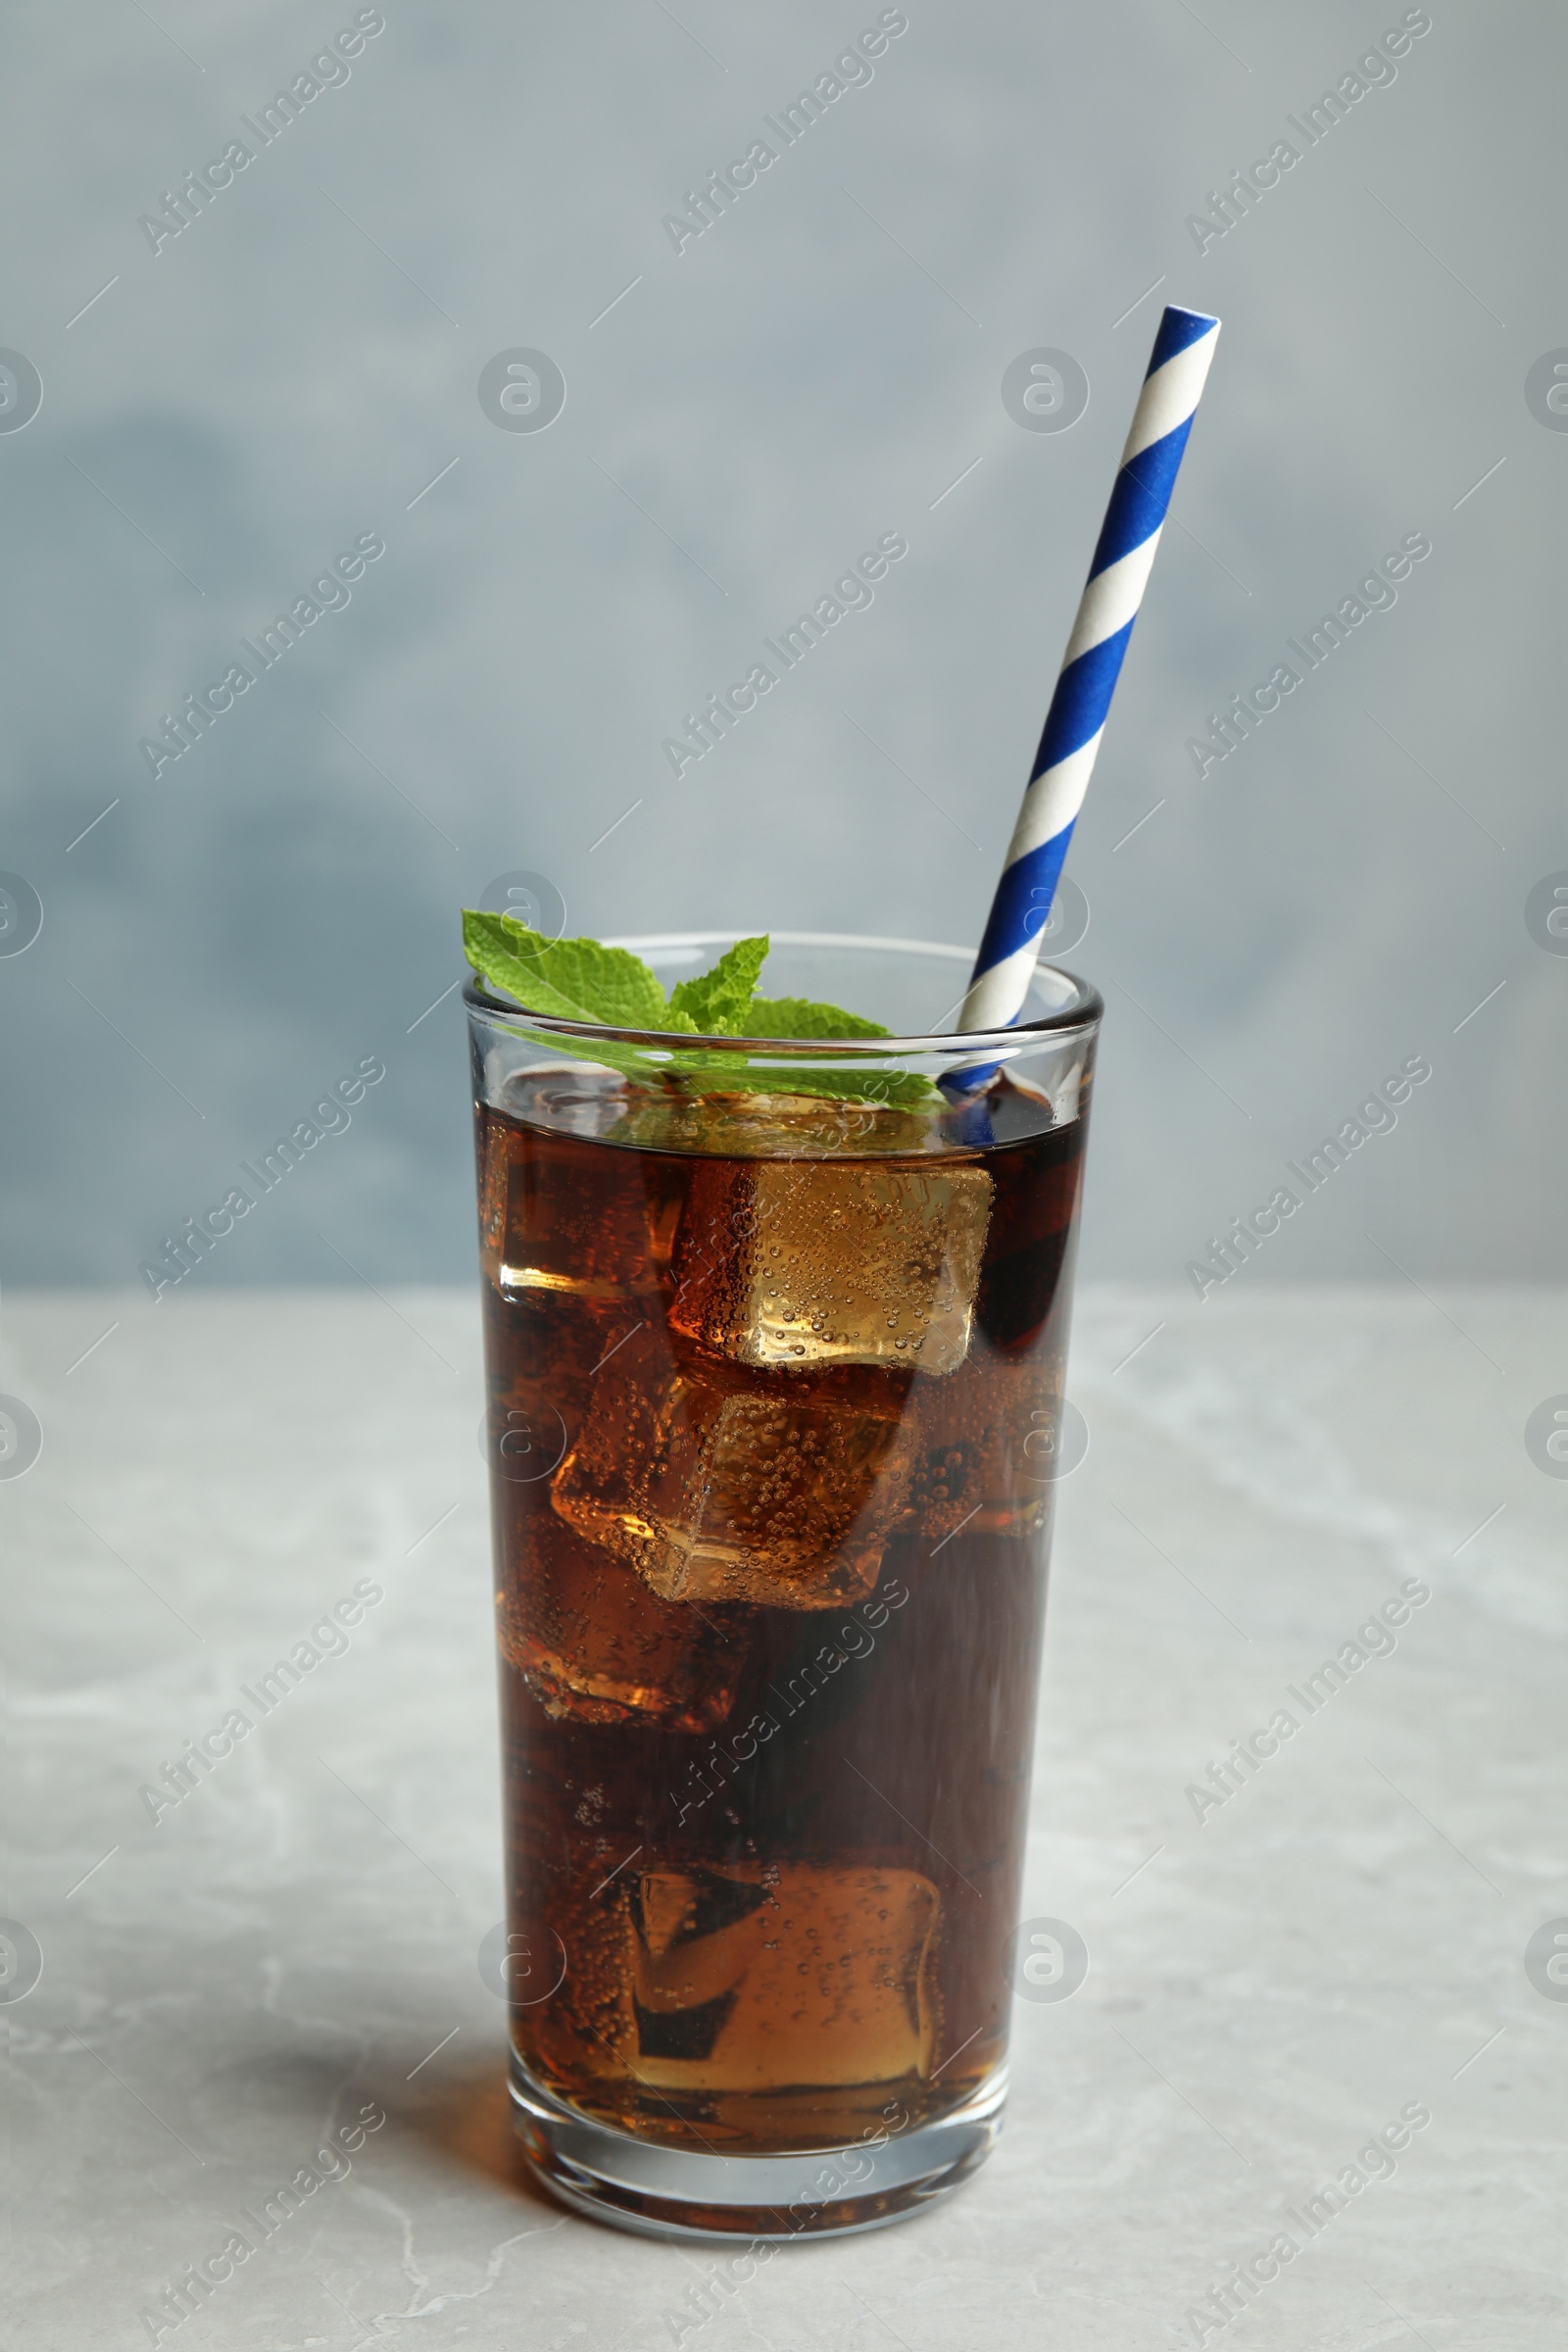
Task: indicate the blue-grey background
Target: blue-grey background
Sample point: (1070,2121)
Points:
(297,366)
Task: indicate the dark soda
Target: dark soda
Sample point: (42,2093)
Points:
(775,1394)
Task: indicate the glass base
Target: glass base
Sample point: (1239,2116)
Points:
(673,2192)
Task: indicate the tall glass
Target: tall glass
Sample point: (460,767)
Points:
(775,1364)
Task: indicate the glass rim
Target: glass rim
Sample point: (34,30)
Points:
(1081,1015)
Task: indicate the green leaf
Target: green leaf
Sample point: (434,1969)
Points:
(496,949)
(718,1002)
(801,1016)
(572,979)
(621,990)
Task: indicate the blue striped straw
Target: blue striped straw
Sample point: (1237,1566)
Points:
(1090,668)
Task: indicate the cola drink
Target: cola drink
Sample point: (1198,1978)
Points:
(775,1391)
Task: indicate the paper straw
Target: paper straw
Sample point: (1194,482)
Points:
(1090,668)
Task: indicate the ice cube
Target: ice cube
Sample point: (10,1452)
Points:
(770,1977)
(563,1215)
(973,1446)
(718,1489)
(592,1642)
(811,1262)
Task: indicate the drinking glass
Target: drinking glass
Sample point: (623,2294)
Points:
(775,1352)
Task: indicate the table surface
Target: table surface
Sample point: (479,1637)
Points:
(1340,1942)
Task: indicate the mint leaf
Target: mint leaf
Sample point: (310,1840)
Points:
(801,1016)
(618,987)
(572,979)
(719,1000)
(499,953)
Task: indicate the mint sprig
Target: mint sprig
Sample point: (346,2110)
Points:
(582,980)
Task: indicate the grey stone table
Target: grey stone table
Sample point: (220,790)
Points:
(1281,1968)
